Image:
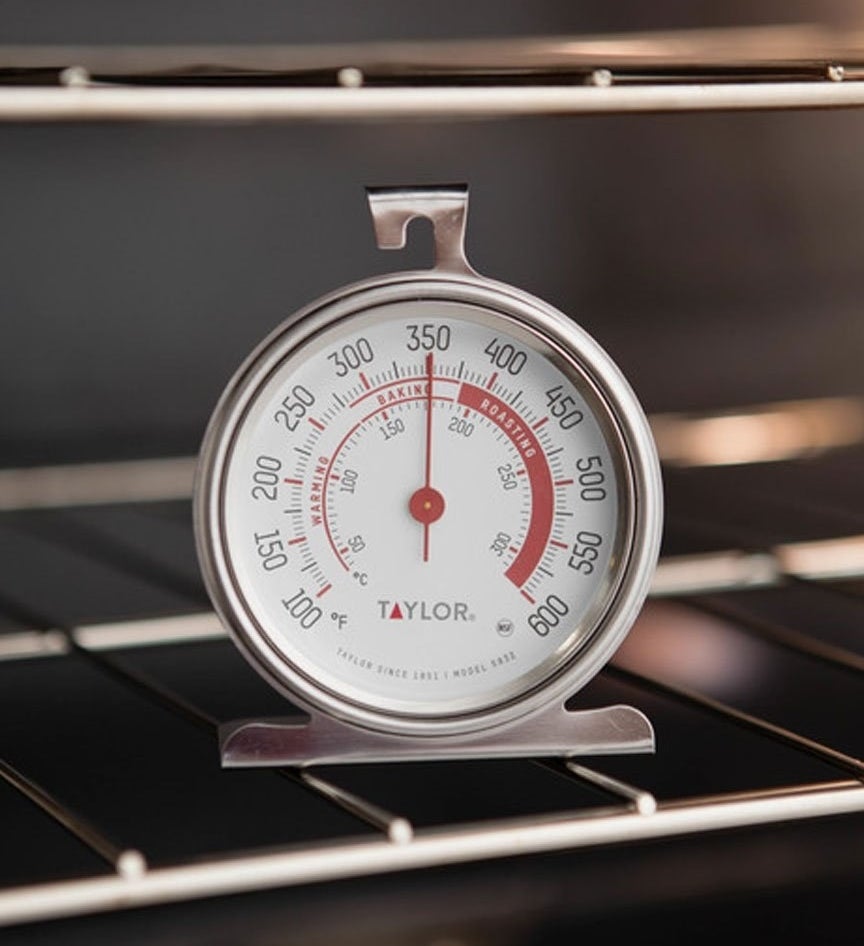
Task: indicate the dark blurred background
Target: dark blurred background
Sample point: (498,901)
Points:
(716,256)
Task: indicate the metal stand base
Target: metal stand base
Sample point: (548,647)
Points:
(323,740)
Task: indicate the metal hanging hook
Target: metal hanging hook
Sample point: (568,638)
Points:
(446,207)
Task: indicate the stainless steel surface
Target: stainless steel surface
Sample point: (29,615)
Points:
(446,208)
(554,731)
(92,104)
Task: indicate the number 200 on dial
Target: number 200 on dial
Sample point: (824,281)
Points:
(425,508)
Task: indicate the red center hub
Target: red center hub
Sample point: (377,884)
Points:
(426,505)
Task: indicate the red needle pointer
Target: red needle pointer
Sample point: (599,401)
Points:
(427,504)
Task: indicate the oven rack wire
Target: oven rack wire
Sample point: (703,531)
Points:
(768,67)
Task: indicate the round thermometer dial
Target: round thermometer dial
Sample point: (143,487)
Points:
(427,505)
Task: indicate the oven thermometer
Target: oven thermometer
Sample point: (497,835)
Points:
(428,510)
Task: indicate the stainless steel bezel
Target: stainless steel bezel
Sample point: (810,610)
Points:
(640,495)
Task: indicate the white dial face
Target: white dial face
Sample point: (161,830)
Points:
(422,509)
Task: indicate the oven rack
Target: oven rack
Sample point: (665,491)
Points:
(620,810)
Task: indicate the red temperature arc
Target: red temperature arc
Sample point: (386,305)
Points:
(542,492)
